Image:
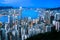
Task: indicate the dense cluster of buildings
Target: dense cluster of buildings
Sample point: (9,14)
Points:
(23,28)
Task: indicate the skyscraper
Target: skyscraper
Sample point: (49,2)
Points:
(57,23)
(47,17)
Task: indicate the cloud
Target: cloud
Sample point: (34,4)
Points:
(8,1)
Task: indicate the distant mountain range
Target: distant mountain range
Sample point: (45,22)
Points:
(9,7)
(53,8)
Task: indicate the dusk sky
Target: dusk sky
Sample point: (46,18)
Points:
(31,3)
